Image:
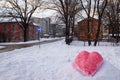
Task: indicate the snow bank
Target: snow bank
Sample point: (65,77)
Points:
(1,47)
(28,42)
(53,61)
(106,72)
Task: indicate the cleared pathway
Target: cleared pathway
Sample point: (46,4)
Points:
(18,46)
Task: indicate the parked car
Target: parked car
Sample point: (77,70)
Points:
(46,35)
(58,35)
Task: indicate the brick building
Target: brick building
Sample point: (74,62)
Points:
(82,30)
(11,31)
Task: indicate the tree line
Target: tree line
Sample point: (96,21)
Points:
(106,11)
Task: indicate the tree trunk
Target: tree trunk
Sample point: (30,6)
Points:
(25,32)
(67,34)
(88,25)
(73,24)
(25,35)
(98,32)
(117,35)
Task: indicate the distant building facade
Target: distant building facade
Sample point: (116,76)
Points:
(11,31)
(57,30)
(82,30)
(44,23)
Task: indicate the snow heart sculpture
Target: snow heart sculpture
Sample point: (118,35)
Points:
(88,63)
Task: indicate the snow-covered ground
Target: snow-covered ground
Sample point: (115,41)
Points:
(2,47)
(53,61)
(29,42)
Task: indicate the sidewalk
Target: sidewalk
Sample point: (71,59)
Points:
(10,47)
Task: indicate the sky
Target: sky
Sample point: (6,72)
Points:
(44,13)
(38,13)
(50,13)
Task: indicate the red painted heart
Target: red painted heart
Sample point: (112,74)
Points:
(88,63)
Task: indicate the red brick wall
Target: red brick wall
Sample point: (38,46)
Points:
(82,30)
(12,32)
(32,33)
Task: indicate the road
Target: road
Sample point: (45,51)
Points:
(18,46)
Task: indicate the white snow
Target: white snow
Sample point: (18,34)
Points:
(29,42)
(53,61)
(1,47)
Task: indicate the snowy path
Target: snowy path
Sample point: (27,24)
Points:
(18,45)
(53,61)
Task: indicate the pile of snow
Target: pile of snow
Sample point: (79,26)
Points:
(53,61)
(29,42)
(88,62)
(1,47)
(85,43)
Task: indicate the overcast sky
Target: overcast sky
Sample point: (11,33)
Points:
(44,13)
(38,13)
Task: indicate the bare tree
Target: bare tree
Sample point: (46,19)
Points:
(23,9)
(101,5)
(67,10)
(112,15)
(89,7)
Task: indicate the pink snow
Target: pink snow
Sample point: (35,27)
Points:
(88,63)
